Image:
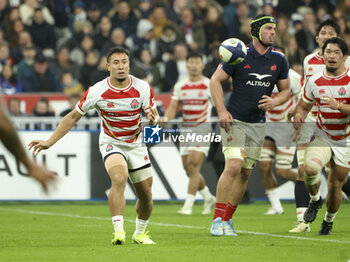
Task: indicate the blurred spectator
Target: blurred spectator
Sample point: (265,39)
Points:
(144,9)
(13,34)
(104,32)
(5,55)
(10,17)
(4,9)
(142,39)
(192,31)
(71,85)
(122,16)
(242,13)
(286,7)
(117,39)
(298,68)
(2,36)
(27,10)
(173,11)
(322,13)
(88,71)
(245,34)
(14,107)
(282,33)
(94,15)
(159,20)
(25,67)
(166,44)
(268,8)
(43,33)
(175,70)
(24,38)
(63,63)
(343,28)
(73,99)
(9,84)
(147,70)
(78,17)
(305,36)
(60,10)
(343,10)
(346,38)
(215,30)
(294,54)
(200,9)
(42,79)
(43,108)
(102,70)
(213,61)
(86,45)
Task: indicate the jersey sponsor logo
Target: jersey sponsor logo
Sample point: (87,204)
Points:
(110,105)
(247,66)
(134,103)
(151,134)
(258,76)
(109,148)
(342,91)
(258,83)
(322,91)
(273,67)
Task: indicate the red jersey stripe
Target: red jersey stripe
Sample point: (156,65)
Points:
(332,115)
(195,112)
(120,113)
(273,111)
(194,102)
(194,87)
(121,124)
(110,94)
(339,137)
(83,99)
(333,82)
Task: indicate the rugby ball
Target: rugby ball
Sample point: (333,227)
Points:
(232,51)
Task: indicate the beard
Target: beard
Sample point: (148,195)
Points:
(331,69)
(120,80)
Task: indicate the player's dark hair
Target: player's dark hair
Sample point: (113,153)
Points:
(194,55)
(340,42)
(115,50)
(331,23)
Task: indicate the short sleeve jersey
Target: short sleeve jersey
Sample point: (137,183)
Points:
(278,113)
(195,99)
(120,109)
(333,123)
(254,77)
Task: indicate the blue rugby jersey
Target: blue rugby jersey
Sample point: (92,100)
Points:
(253,78)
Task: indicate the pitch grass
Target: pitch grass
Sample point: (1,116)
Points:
(81,231)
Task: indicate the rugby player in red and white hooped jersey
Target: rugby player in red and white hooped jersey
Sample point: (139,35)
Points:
(330,91)
(119,100)
(313,63)
(193,95)
(279,146)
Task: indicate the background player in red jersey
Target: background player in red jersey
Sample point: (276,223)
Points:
(193,95)
(119,100)
(330,91)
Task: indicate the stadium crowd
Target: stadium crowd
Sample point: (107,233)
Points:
(60,46)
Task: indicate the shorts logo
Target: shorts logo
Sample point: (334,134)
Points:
(146,158)
(342,91)
(151,134)
(134,103)
(229,139)
(243,153)
(110,105)
(109,148)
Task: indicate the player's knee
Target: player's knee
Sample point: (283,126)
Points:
(233,167)
(311,167)
(118,179)
(192,168)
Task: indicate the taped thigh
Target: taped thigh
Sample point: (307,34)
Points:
(140,175)
(267,155)
(284,161)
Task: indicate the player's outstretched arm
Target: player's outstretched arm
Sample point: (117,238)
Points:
(63,128)
(11,141)
(170,112)
(225,118)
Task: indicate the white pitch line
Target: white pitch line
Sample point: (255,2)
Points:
(44,213)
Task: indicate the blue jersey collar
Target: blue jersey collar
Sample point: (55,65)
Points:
(256,54)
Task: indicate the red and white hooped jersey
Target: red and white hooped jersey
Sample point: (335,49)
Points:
(314,63)
(278,113)
(195,99)
(120,109)
(333,122)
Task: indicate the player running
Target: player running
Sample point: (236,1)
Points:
(193,95)
(119,100)
(329,90)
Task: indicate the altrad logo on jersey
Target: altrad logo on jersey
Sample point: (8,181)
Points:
(258,82)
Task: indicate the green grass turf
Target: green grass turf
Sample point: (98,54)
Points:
(82,231)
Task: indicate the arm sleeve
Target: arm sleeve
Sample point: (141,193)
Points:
(284,69)
(229,69)
(176,92)
(308,97)
(148,100)
(87,102)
